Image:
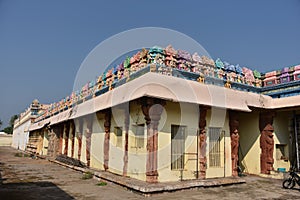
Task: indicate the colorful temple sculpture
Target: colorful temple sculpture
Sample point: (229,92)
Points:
(166,115)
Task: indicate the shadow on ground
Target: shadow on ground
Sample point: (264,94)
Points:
(32,191)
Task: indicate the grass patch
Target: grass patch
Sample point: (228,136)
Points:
(19,154)
(101,183)
(87,175)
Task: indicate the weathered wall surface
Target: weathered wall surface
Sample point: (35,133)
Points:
(21,135)
(281,138)
(218,118)
(5,140)
(249,151)
(178,114)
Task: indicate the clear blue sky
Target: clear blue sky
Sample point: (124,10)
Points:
(43,43)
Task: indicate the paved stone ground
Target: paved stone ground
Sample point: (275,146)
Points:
(27,178)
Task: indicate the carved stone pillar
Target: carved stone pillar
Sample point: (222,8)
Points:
(66,130)
(202,141)
(152,110)
(125,158)
(234,136)
(80,121)
(54,147)
(89,130)
(266,142)
(107,123)
(73,137)
(51,143)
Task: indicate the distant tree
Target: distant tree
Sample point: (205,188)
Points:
(12,120)
(10,128)
(1,123)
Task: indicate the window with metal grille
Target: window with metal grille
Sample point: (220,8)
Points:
(118,132)
(214,147)
(139,133)
(177,147)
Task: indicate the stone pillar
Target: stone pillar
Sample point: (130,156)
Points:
(60,136)
(234,136)
(126,124)
(266,142)
(107,123)
(152,110)
(66,130)
(72,124)
(51,143)
(202,142)
(80,121)
(89,130)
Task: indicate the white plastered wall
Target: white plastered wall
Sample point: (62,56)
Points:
(249,151)
(70,137)
(97,143)
(281,137)
(45,142)
(136,156)
(178,114)
(218,118)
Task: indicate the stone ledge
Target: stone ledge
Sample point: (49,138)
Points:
(152,188)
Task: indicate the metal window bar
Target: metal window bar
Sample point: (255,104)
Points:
(177,147)
(214,147)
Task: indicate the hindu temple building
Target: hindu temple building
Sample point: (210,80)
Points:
(168,115)
(22,124)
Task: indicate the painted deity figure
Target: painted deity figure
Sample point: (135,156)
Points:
(109,78)
(208,66)
(249,77)
(120,70)
(257,76)
(184,60)
(227,84)
(156,55)
(127,74)
(134,62)
(100,83)
(143,58)
(196,63)
(219,64)
(201,78)
(170,59)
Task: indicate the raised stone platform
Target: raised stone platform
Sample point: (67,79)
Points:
(152,188)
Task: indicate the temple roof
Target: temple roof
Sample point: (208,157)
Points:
(173,89)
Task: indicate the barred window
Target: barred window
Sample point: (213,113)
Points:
(177,147)
(214,147)
(139,133)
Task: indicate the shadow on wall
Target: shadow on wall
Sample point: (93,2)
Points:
(249,134)
(32,191)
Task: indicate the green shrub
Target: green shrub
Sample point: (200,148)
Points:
(87,175)
(101,183)
(20,154)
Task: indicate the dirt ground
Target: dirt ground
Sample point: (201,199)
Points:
(30,178)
